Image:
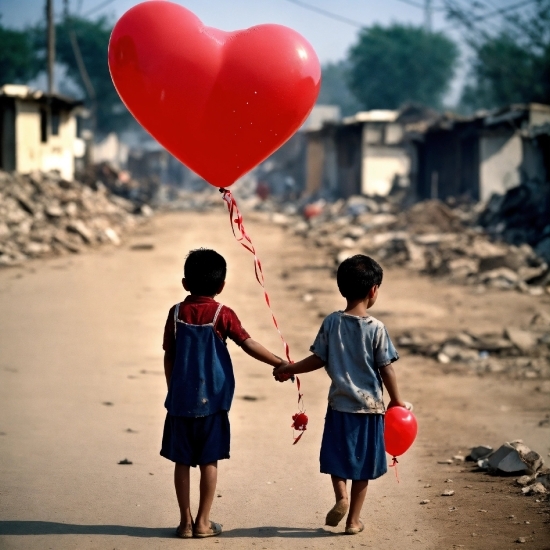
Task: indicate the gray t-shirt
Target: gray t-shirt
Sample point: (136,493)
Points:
(353,350)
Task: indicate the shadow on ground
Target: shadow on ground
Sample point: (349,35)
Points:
(55,528)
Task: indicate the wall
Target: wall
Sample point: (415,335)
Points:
(381,162)
(315,160)
(55,154)
(500,162)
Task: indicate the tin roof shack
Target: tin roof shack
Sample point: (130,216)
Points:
(38,131)
(366,154)
(478,156)
(284,171)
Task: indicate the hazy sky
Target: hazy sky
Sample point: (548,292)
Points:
(329,37)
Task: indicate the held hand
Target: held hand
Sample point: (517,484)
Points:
(279,372)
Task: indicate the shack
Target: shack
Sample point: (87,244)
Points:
(365,154)
(475,157)
(38,131)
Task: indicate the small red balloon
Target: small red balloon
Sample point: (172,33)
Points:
(221,102)
(400,429)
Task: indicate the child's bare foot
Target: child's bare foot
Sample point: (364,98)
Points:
(337,512)
(354,528)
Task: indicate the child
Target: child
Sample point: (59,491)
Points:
(200,382)
(357,352)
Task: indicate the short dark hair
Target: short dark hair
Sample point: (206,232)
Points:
(357,275)
(204,272)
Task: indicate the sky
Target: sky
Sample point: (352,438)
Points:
(331,38)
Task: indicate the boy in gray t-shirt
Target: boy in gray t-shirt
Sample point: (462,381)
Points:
(358,354)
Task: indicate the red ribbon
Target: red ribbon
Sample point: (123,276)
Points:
(240,234)
(394,464)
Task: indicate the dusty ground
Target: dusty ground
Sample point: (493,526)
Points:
(81,388)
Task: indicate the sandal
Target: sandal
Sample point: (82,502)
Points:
(355,530)
(336,514)
(187,534)
(216,529)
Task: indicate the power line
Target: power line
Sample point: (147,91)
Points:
(417,5)
(98,7)
(328,14)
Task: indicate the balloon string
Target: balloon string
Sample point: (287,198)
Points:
(242,237)
(239,232)
(394,464)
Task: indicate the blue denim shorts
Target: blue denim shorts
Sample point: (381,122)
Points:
(196,441)
(353,445)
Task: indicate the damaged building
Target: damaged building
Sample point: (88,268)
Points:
(479,156)
(38,131)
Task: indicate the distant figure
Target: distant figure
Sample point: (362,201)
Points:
(200,379)
(358,354)
(262,190)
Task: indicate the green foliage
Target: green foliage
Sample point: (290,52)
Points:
(335,89)
(93,41)
(18,61)
(390,66)
(513,65)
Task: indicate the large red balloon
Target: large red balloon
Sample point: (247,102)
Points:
(400,429)
(221,102)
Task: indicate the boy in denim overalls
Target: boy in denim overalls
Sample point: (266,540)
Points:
(201,384)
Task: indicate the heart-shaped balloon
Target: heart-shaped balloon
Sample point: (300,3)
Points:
(221,102)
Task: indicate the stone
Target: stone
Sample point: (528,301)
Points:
(515,457)
(479,452)
(535,489)
(448,493)
(523,481)
(522,339)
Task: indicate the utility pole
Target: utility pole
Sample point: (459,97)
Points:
(428,15)
(51,45)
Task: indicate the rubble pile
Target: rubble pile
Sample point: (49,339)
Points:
(514,458)
(520,352)
(121,183)
(522,215)
(429,237)
(42,215)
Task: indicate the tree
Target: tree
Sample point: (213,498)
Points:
(92,41)
(393,65)
(335,89)
(18,61)
(510,64)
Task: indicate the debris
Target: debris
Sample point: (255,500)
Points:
(43,215)
(481,451)
(125,461)
(432,238)
(535,489)
(515,457)
(142,246)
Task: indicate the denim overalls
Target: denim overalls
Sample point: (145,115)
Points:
(202,381)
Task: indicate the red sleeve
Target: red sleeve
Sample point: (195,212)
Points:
(232,326)
(169,340)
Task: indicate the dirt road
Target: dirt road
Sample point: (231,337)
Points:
(82,387)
